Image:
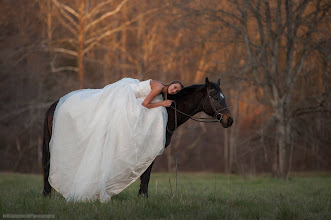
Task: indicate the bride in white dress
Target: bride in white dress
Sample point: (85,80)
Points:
(104,139)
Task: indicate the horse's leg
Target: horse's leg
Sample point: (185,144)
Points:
(145,180)
(147,174)
(45,149)
(46,159)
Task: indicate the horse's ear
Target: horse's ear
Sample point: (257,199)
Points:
(218,82)
(207,81)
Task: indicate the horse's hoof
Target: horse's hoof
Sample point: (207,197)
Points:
(142,194)
(46,194)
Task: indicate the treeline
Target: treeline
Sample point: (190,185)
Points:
(273,59)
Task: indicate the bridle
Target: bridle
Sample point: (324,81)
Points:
(217,112)
(199,119)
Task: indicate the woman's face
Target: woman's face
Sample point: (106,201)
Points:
(174,88)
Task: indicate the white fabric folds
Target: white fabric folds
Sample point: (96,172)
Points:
(104,139)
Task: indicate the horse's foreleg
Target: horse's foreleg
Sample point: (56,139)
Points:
(145,180)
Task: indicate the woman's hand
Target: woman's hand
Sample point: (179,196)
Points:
(167,103)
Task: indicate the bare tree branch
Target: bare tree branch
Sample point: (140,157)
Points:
(94,40)
(67,8)
(66,51)
(97,8)
(69,27)
(103,17)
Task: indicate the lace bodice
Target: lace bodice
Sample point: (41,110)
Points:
(143,88)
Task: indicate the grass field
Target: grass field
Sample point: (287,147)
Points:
(199,196)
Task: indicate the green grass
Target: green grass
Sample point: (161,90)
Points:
(199,196)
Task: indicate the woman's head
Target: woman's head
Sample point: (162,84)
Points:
(174,87)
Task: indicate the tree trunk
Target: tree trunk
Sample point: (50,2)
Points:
(81,36)
(226,151)
(49,25)
(234,134)
(275,173)
(282,140)
(281,145)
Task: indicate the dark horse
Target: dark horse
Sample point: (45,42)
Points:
(207,97)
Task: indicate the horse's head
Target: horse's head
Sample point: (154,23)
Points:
(214,104)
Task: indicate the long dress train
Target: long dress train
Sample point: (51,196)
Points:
(104,139)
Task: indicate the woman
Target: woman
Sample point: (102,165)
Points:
(104,139)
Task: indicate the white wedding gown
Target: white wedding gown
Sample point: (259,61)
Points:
(104,139)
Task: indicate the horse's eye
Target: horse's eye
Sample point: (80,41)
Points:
(215,96)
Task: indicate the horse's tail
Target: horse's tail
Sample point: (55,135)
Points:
(45,148)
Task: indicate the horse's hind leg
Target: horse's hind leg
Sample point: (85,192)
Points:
(46,166)
(45,149)
(145,180)
(46,159)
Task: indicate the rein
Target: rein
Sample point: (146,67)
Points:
(199,119)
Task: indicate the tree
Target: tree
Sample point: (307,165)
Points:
(278,37)
(87,25)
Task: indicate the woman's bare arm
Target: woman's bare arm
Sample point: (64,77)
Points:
(156,90)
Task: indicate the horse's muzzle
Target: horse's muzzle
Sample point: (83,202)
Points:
(230,122)
(227,121)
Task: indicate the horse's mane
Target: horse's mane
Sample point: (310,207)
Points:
(186,91)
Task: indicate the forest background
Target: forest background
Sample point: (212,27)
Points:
(272,56)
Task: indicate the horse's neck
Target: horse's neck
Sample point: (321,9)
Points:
(189,104)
